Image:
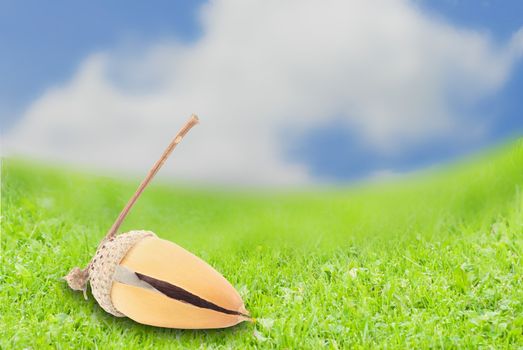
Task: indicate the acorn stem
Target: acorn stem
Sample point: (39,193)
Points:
(193,120)
(77,278)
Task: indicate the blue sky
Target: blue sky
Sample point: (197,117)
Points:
(500,19)
(46,46)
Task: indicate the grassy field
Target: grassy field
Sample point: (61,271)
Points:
(433,260)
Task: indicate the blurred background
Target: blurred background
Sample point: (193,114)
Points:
(288,93)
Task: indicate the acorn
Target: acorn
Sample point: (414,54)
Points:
(154,281)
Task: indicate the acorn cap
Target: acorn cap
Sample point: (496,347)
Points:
(103,266)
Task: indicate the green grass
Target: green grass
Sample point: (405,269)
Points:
(433,260)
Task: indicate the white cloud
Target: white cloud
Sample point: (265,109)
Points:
(260,69)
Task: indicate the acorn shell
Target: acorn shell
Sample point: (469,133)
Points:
(167,286)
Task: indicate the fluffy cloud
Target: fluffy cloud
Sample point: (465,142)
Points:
(261,74)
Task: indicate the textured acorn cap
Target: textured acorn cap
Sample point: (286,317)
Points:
(103,266)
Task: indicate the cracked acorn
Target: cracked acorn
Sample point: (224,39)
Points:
(154,281)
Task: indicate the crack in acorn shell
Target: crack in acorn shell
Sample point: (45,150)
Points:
(180,294)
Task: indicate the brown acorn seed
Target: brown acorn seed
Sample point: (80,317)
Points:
(154,281)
